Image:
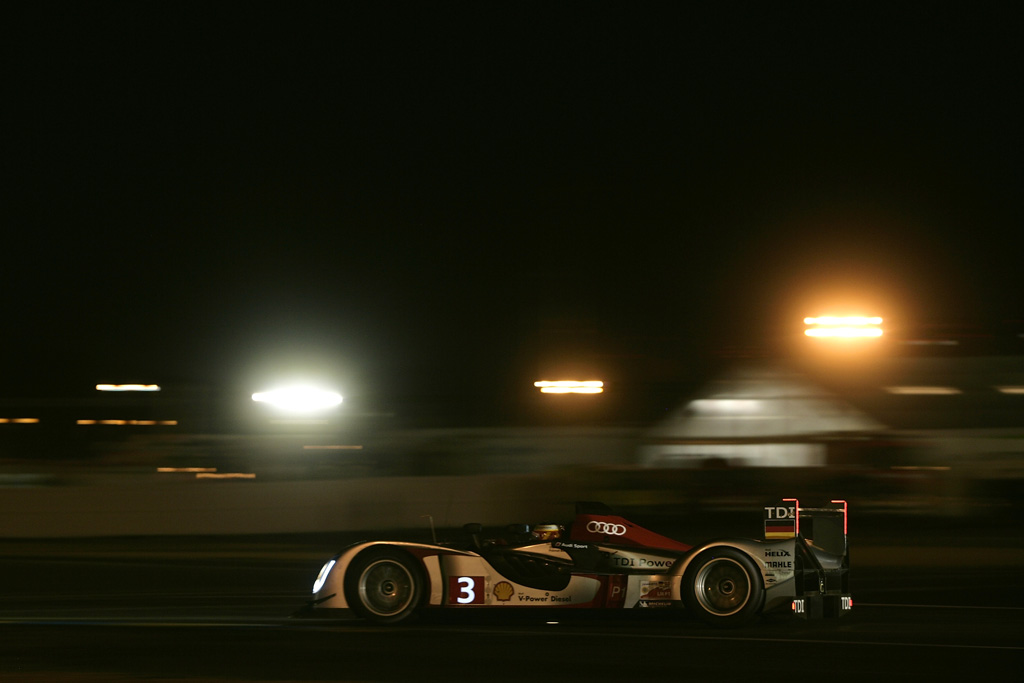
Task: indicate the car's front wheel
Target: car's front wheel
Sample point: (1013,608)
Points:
(384,586)
(722,587)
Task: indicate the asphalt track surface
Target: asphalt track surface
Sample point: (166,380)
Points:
(221,610)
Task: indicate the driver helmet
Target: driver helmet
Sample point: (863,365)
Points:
(547,532)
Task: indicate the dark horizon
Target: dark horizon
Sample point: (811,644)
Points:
(418,199)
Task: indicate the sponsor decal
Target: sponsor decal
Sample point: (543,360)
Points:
(503,591)
(616,590)
(779,512)
(775,561)
(606,528)
(654,603)
(642,562)
(779,521)
(655,590)
(779,529)
(785,565)
(571,545)
(547,597)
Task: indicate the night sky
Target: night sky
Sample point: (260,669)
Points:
(424,199)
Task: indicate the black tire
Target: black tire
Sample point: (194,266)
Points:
(723,588)
(384,586)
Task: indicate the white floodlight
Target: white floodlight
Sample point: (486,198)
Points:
(299,399)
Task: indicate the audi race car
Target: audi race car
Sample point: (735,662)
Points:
(601,561)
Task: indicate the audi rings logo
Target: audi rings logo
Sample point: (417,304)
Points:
(606,528)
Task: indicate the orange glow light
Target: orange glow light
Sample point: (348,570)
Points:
(843,327)
(831,320)
(848,332)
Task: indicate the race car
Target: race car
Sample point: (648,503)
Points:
(601,561)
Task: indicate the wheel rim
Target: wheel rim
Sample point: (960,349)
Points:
(386,587)
(722,586)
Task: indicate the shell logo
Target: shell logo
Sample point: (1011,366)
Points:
(503,591)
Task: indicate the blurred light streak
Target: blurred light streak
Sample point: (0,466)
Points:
(127,387)
(735,408)
(848,332)
(931,468)
(855,320)
(570,386)
(299,398)
(225,475)
(848,327)
(923,391)
(574,390)
(19,420)
(930,342)
(134,423)
(298,422)
(332,448)
(1011,390)
(186,470)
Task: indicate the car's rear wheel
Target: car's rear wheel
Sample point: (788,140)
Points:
(384,586)
(722,587)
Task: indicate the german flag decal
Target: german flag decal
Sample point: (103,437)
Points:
(779,528)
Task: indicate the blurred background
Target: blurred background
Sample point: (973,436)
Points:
(901,426)
(778,252)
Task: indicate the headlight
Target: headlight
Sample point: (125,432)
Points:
(322,576)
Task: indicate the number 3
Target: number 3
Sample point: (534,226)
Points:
(466,592)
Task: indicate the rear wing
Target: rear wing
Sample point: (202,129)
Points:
(821,562)
(823,527)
